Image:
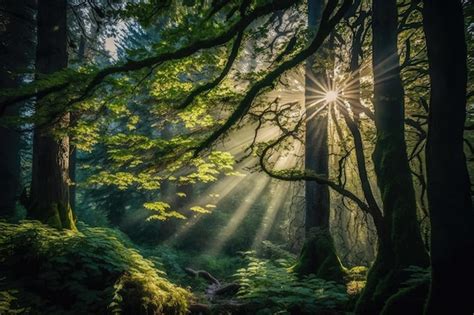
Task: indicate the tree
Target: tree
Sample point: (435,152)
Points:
(448,184)
(74,116)
(15,57)
(49,197)
(399,244)
(318,255)
(68,88)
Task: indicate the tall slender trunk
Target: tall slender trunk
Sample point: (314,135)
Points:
(49,198)
(316,144)
(318,255)
(81,53)
(353,123)
(400,244)
(448,184)
(16,44)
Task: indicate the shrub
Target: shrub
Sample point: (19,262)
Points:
(94,271)
(273,286)
(274,251)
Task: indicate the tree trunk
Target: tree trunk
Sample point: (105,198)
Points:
(448,184)
(49,198)
(316,147)
(81,53)
(16,43)
(353,123)
(318,255)
(400,243)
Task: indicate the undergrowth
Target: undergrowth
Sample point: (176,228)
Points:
(272,285)
(94,271)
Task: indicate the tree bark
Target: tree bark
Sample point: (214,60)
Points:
(318,255)
(16,43)
(81,54)
(49,198)
(316,144)
(353,123)
(448,184)
(400,244)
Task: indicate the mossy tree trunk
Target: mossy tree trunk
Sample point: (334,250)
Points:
(448,184)
(49,197)
(16,44)
(318,255)
(400,242)
(81,54)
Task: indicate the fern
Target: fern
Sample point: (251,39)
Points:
(273,285)
(93,271)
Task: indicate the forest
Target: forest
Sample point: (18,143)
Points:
(236,157)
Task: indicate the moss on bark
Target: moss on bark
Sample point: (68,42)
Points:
(410,300)
(387,275)
(319,257)
(400,243)
(56,215)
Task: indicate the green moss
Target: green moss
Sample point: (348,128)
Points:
(318,257)
(59,216)
(358,271)
(409,300)
(94,271)
(386,277)
(400,242)
(68,221)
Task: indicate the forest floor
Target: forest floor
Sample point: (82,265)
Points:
(99,270)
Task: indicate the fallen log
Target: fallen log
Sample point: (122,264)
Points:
(229,288)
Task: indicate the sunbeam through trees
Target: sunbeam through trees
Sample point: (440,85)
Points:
(236,157)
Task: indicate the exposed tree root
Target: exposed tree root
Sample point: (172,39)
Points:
(215,293)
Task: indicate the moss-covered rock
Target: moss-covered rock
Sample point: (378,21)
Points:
(94,271)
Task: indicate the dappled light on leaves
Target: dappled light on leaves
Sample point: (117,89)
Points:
(236,157)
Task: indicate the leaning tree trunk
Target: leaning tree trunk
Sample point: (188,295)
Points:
(318,255)
(16,44)
(400,244)
(448,184)
(49,198)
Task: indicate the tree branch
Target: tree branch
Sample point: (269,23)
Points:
(210,85)
(327,25)
(134,65)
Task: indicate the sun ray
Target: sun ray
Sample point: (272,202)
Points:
(315,103)
(316,112)
(225,233)
(279,196)
(219,190)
